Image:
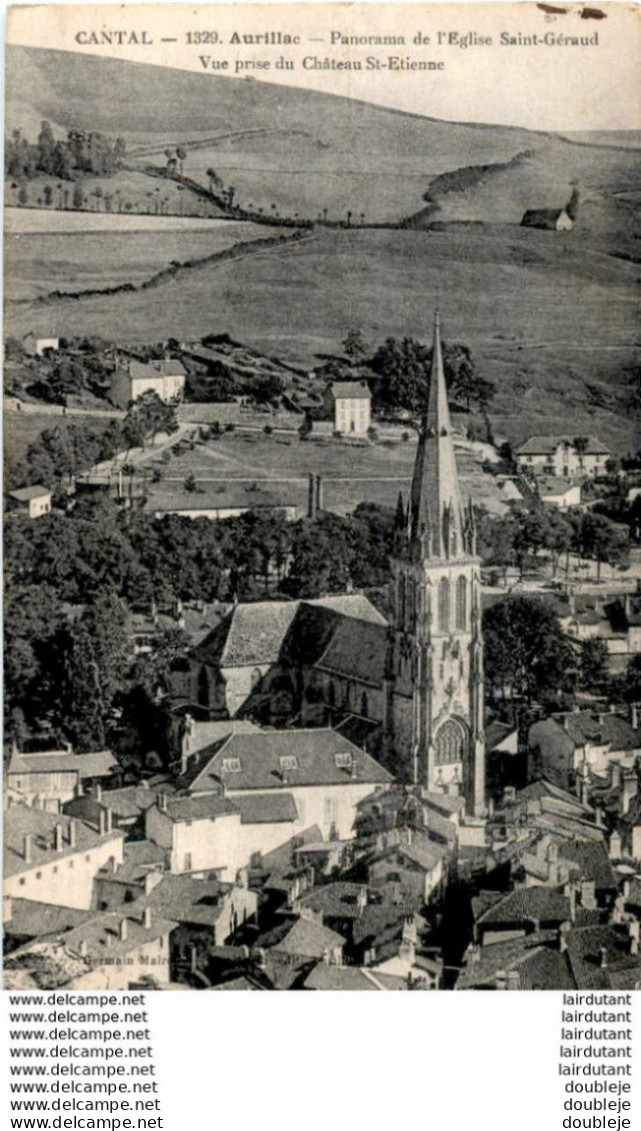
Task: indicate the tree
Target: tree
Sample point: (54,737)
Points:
(190,485)
(78,195)
(527,656)
(181,154)
(593,661)
(580,444)
(149,415)
(46,146)
(354,346)
(404,367)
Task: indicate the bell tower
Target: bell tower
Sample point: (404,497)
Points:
(436,649)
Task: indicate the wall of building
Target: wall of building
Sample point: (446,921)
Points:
(67,882)
(352,416)
(331,807)
(52,790)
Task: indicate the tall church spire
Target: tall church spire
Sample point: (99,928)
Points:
(437,522)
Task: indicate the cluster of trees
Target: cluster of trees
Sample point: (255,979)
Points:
(400,370)
(529,661)
(71,447)
(82,154)
(72,579)
(522,537)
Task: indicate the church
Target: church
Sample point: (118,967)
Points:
(435,657)
(409,688)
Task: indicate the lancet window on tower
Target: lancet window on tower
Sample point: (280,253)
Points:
(461,603)
(444,605)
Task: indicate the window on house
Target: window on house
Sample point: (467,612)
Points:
(22,882)
(71,863)
(87,859)
(187,867)
(343,761)
(38,875)
(288,762)
(231,766)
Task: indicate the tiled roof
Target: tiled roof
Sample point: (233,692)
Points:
(543,789)
(204,808)
(32,919)
(547,445)
(20,821)
(445,802)
(350,390)
(424,854)
(313,757)
(140,858)
(526,905)
(204,734)
(585,947)
(340,900)
(281,859)
(592,860)
(551,485)
(25,494)
(249,635)
(353,605)
(357,651)
(608,728)
(302,938)
(482,964)
(186,900)
(496,733)
(170,367)
(327,977)
(132,799)
(96,764)
(266,808)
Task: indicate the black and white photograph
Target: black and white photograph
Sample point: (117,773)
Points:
(322,486)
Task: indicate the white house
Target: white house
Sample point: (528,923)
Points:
(31,501)
(560,493)
(52,858)
(561,457)
(350,405)
(165,378)
(40,346)
(50,778)
(325,774)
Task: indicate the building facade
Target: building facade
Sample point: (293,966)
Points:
(436,654)
(349,403)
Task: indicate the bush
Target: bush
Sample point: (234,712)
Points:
(268,429)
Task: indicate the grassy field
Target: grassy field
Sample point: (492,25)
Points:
(530,306)
(351,475)
(37,263)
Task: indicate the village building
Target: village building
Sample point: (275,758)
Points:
(41,347)
(127,806)
(133,378)
(228,500)
(323,774)
(24,920)
(561,744)
(53,858)
(562,457)
(110,951)
(34,502)
(553,219)
(348,405)
(50,778)
(559,493)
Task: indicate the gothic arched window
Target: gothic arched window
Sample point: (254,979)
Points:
(461,603)
(444,605)
(401,599)
(450,743)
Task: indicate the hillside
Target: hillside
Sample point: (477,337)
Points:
(552,318)
(286,150)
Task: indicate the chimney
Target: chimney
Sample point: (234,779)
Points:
(615,775)
(513,980)
(72,833)
(615,847)
(151,880)
(193,959)
(108,820)
(97,792)
(562,938)
(634,714)
(27,846)
(57,838)
(603,959)
(500,980)
(7,909)
(626,889)
(123,930)
(162,802)
(633,936)
(144,784)
(82,949)
(146,918)
(102,822)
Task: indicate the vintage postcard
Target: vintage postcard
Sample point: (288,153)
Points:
(322,416)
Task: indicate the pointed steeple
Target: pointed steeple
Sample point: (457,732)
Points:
(437,524)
